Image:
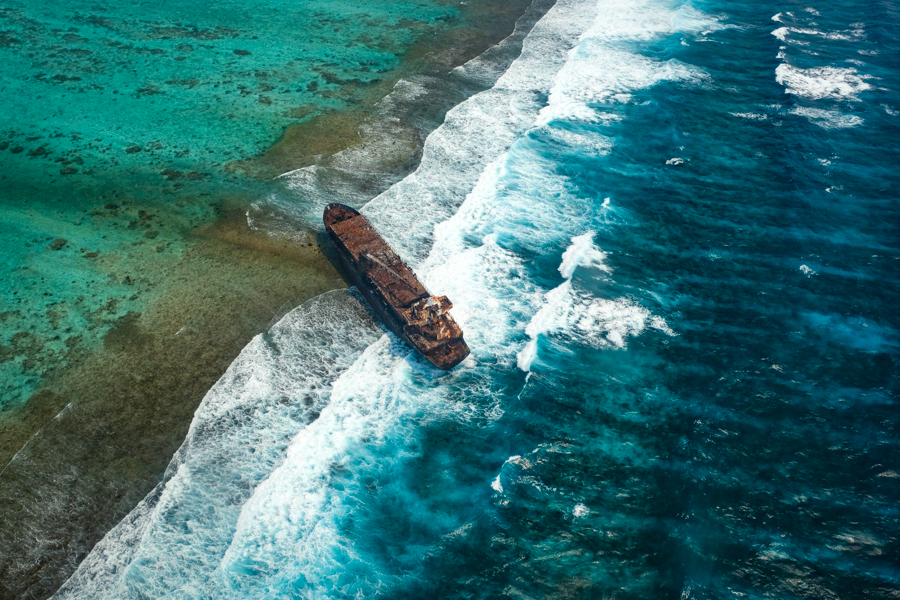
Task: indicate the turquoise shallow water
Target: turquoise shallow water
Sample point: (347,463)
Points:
(119,120)
(188,84)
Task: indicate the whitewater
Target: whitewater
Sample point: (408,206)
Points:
(564,456)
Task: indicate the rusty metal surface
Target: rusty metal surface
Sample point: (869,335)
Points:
(396,294)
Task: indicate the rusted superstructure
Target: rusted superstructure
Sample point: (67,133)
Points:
(393,290)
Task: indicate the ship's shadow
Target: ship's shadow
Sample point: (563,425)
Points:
(329,251)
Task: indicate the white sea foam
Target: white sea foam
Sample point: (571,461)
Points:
(822,82)
(582,253)
(579,316)
(385,140)
(598,74)
(783,33)
(522,463)
(827,119)
(602,69)
(750,116)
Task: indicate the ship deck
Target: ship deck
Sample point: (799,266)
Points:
(407,306)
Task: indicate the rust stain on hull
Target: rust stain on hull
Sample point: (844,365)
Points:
(393,290)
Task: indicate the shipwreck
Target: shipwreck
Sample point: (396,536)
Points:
(395,293)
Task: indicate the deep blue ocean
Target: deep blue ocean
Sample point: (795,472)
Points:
(671,234)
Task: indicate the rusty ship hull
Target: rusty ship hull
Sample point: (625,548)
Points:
(396,295)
